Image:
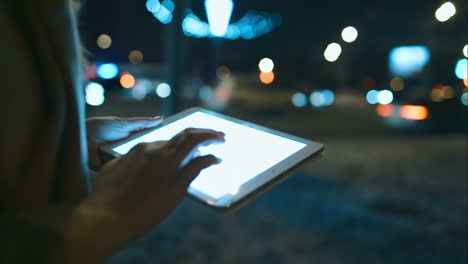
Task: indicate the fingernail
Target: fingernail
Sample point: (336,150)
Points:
(158,117)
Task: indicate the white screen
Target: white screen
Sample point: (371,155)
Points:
(246,153)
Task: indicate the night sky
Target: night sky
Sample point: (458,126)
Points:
(298,44)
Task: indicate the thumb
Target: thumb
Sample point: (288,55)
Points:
(139,123)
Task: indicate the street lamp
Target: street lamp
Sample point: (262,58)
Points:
(219,13)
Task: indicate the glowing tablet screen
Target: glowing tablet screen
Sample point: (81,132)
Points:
(246,153)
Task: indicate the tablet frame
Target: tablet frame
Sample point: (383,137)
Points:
(250,189)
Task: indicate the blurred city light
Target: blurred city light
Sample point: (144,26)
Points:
(385,110)
(299,100)
(223,73)
(385,97)
(437,93)
(218,13)
(161,11)
(332,52)
(465,50)
(397,84)
(407,60)
(329,97)
(266,65)
(252,25)
(317,99)
(94,94)
(465,82)
(135,57)
(107,70)
(267,77)
(349,34)
(448,92)
(464,99)
(127,80)
(369,83)
(414,112)
(445,12)
(372,97)
(163,90)
(104,41)
(461,69)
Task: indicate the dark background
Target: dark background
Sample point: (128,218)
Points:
(386,190)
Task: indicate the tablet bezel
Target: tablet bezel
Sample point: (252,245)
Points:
(249,188)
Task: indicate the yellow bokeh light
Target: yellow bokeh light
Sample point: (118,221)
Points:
(104,41)
(127,80)
(414,112)
(465,82)
(397,84)
(267,77)
(448,92)
(135,57)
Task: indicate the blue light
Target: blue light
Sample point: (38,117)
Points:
(461,70)
(328,96)
(299,100)
(317,99)
(107,70)
(372,97)
(161,11)
(218,13)
(252,25)
(408,60)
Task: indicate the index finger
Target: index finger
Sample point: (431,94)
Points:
(191,138)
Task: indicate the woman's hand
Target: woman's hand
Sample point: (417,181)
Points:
(102,130)
(137,191)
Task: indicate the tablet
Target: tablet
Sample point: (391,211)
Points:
(252,156)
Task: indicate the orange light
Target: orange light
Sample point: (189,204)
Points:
(385,110)
(414,112)
(267,77)
(127,80)
(465,82)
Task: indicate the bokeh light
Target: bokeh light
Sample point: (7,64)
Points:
(135,57)
(163,90)
(385,110)
(414,112)
(445,12)
(162,11)
(349,34)
(465,82)
(448,92)
(385,97)
(407,60)
(299,100)
(369,83)
(328,96)
(127,80)
(465,50)
(397,84)
(223,73)
(332,52)
(218,13)
(94,94)
(266,65)
(372,97)
(317,99)
(461,69)
(104,41)
(107,70)
(437,93)
(464,99)
(267,77)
